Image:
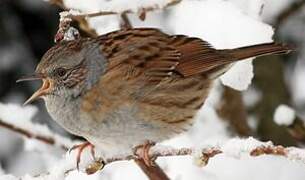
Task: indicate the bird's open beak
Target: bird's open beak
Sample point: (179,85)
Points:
(33,77)
(44,89)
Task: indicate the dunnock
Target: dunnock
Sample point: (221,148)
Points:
(129,86)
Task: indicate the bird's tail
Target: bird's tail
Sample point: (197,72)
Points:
(259,50)
(242,53)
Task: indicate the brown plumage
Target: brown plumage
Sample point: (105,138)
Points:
(129,86)
(167,76)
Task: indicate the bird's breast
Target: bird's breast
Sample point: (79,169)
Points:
(66,113)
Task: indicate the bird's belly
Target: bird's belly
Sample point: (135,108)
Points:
(123,130)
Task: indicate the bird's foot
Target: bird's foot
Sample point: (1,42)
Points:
(142,152)
(80,148)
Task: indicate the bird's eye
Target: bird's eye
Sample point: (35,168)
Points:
(60,71)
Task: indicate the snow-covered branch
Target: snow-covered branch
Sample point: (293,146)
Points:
(236,148)
(21,124)
(140,11)
(45,139)
(82,17)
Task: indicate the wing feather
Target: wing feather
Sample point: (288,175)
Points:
(158,55)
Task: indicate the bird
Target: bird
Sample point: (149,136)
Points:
(133,87)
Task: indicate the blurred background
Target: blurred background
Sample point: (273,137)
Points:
(27,28)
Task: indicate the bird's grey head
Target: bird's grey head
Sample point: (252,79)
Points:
(68,69)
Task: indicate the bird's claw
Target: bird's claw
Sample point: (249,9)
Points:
(142,152)
(81,148)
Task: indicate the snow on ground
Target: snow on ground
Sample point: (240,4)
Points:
(284,115)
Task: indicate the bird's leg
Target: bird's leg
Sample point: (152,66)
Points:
(80,148)
(142,152)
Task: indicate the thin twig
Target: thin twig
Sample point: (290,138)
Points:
(83,23)
(31,135)
(127,11)
(125,22)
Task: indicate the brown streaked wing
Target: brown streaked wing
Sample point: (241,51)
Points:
(158,55)
(146,50)
(198,56)
(150,55)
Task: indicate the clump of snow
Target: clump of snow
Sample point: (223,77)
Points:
(239,76)
(284,115)
(236,147)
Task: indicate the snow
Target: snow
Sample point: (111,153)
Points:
(272,8)
(234,163)
(114,5)
(8,177)
(284,115)
(239,77)
(220,22)
(252,8)
(236,147)
(15,114)
(21,117)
